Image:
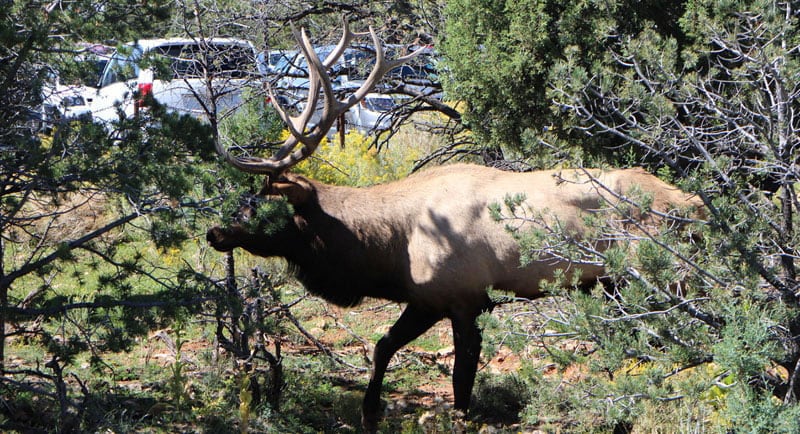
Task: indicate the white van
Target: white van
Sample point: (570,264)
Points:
(179,73)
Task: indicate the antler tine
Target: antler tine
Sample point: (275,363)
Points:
(266,166)
(254,165)
(332,108)
(297,124)
(284,157)
(382,66)
(316,73)
(344,42)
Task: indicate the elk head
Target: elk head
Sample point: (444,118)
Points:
(260,223)
(302,141)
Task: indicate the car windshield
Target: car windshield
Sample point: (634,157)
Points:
(121,67)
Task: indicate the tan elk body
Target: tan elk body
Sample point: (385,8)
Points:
(432,234)
(430,240)
(437,228)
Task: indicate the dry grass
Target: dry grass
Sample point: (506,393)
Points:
(63,217)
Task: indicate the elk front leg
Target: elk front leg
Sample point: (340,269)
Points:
(412,323)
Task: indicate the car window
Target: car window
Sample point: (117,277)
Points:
(283,64)
(191,61)
(355,63)
(277,57)
(419,68)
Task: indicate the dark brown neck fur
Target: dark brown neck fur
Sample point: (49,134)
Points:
(324,252)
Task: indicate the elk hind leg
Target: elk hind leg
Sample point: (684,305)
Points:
(467,341)
(412,323)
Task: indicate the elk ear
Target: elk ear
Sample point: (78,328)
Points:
(296,189)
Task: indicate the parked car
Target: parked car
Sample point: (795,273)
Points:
(181,74)
(372,114)
(68,88)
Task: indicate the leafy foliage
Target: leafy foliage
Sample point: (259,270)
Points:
(706,297)
(356,163)
(700,322)
(505,56)
(79,273)
(99,223)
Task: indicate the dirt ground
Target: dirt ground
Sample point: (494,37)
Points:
(351,334)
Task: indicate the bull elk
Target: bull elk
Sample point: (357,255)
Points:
(429,240)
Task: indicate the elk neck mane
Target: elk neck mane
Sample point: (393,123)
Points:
(352,228)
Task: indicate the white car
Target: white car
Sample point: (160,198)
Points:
(182,74)
(65,103)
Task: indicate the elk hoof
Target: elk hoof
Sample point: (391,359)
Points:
(370,423)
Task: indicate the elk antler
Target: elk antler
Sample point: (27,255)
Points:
(308,139)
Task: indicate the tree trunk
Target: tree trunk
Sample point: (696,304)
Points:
(3,309)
